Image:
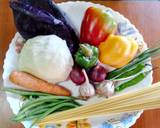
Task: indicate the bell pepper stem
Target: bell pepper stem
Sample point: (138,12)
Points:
(86,51)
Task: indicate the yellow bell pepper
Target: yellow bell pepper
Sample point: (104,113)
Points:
(117,51)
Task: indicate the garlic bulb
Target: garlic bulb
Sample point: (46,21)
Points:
(86,89)
(106,88)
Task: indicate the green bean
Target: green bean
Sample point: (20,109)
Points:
(52,110)
(22,117)
(17,118)
(131,72)
(132,82)
(23,110)
(45,99)
(31,110)
(58,107)
(42,99)
(36,114)
(28,118)
(32,117)
(32,104)
(39,104)
(33,93)
(25,93)
(73,101)
(48,106)
(63,109)
(41,111)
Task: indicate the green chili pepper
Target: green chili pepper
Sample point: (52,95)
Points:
(132,82)
(86,56)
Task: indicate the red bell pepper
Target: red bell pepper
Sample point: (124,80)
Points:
(96,26)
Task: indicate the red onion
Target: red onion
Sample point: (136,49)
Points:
(77,76)
(98,73)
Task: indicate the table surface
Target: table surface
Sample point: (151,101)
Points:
(145,15)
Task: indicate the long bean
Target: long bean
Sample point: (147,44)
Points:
(46,106)
(33,93)
(52,110)
(40,101)
(38,105)
(33,104)
(22,117)
(76,103)
(58,107)
(22,112)
(27,118)
(38,110)
(32,117)
(25,93)
(17,118)
(46,99)
(33,111)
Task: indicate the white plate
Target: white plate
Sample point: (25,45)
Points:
(75,12)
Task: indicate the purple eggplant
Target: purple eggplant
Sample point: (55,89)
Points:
(43,17)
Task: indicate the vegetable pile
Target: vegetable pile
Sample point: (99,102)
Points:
(100,47)
(52,53)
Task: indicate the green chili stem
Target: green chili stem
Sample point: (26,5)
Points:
(86,51)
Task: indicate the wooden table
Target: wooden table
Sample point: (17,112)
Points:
(144,15)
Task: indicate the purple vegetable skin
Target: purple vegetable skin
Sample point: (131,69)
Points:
(43,17)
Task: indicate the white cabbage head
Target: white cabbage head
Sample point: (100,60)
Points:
(46,57)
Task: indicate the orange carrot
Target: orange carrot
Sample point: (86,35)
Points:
(31,82)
